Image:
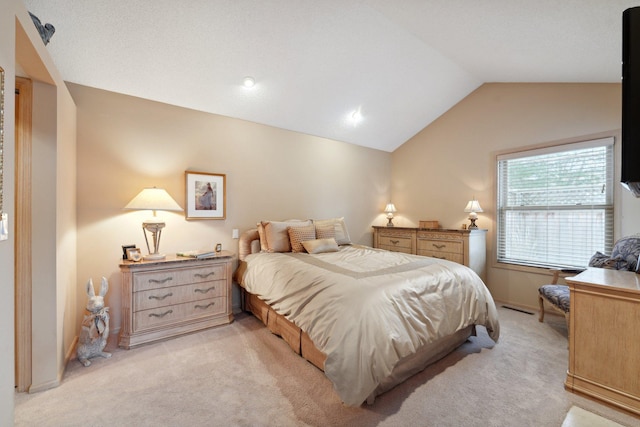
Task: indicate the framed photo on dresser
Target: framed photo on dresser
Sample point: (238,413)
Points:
(206,195)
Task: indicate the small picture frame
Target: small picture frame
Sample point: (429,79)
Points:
(133,254)
(124,250)
(219,247)
(206,195)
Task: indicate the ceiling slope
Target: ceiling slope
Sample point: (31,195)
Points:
(400,64)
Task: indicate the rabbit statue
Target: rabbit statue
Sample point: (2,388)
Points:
(95,326)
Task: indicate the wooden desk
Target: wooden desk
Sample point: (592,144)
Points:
(604,341)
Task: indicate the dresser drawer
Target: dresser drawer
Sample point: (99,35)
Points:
(459,258)
(162,297)
(396,249)
(157,279)
(440,246)
(204,274)
(395,243)
(147,319)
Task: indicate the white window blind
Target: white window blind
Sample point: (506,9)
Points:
(555,205)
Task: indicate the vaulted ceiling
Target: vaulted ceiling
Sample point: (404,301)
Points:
(399,64)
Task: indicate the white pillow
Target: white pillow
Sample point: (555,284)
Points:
(319,246)
(342,235)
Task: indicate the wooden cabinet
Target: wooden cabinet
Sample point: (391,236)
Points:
(604,337)
(177,295)
(467,247)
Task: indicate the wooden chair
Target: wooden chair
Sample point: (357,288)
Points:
(556,295)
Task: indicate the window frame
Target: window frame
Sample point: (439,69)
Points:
(600,140)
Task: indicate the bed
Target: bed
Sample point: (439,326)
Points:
(368,318)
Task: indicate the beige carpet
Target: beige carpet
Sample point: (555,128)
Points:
(242,375)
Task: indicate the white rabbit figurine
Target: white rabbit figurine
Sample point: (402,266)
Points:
(95,326)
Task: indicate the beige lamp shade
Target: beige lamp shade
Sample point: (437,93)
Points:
(473,206)
(153,199)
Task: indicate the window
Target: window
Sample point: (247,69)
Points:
(555,204)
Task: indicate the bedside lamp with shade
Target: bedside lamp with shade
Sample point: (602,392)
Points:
(473,207)
(390,209)
(153,199)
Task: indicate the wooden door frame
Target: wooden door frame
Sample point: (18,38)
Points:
(22,230)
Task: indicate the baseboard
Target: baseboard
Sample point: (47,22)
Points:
(44,386)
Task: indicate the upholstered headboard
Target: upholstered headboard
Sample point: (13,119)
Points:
(249,243)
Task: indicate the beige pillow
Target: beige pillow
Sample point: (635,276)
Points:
(326,231)
(297,235)
(342,235)
(319,246)
(263,239)
(277,236)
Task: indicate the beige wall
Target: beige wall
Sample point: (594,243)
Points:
(54,215)
(7,62)
(436,172)
(127,143)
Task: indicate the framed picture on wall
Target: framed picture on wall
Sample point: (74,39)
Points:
(206,195)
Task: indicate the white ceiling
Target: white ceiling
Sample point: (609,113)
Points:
(403,63)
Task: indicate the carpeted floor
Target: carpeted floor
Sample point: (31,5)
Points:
(242,375)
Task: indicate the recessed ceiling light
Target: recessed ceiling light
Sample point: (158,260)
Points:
(248,82)
(356,115)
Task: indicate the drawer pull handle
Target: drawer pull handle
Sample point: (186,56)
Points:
(395,242)
(204,306)
(204,276)
(204,291)
(161,315)
(439,246)
(160,298)
(161,281)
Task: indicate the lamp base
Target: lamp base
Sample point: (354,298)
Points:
(473,223)
(390,223)
(154,257)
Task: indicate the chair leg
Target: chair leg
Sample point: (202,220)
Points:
(541,303)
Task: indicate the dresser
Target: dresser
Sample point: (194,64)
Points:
(467,247)
(174,296)
(604,337)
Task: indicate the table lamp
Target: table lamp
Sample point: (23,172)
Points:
(153,199)
(390,210)
(472,208)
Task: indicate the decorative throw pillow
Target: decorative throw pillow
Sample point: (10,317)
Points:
(297,235)
(600,260)
(277,236)
(319,246)
(264,247)
(627,248)
(342,235)
(326,231)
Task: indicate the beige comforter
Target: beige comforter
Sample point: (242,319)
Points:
(367,309)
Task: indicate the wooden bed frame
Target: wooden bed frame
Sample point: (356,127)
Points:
(300,342)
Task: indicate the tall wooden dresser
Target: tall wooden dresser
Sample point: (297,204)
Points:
(604,337)
(467,247)
(174,296)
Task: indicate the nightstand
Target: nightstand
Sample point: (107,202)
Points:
(174,296)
